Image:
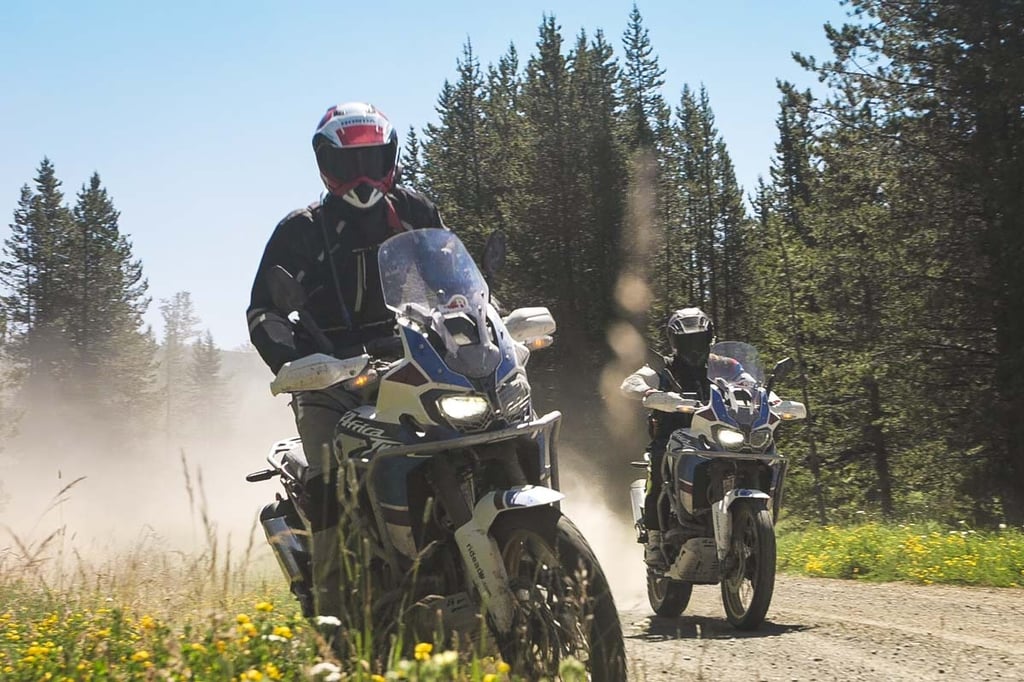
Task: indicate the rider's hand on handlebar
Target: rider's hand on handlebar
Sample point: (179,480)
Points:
(664,401)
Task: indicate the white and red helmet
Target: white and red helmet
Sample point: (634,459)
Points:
(357,152)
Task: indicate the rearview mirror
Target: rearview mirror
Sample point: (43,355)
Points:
(286,293)
(782,368)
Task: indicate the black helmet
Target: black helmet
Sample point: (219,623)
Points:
(691,334)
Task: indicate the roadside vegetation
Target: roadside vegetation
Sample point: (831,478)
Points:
(921,553)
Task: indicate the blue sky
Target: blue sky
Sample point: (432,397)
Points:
(198,115)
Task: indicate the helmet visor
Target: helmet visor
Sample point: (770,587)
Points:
(692,349)
(346,165)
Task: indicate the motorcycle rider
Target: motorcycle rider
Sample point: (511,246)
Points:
(691,333)
(330,249)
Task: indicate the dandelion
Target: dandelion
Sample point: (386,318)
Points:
(264,606)
(503,667)
(147,623)
(378,678)
(273,672)
(252,674)
(283,631)
(242,619)
(423,650)
(140,656)
(490,677)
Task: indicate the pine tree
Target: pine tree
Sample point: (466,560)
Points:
(412,173)
(180,328)
(110,296)
(34,271)
(207,384)
(644,107)
(547,231)
(945,93)
(453,152)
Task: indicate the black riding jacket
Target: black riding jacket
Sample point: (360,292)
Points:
(681,379)
(345,301)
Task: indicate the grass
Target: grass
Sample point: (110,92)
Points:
(920,553)
(154,614)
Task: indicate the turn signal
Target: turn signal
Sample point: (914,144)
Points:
(540,342)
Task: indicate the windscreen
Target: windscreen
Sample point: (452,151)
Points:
(730,360)
(429,270)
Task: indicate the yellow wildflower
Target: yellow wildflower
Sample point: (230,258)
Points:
(242,619)
(423,650)
(265,606)
(147,623)
(503,667)
(283,631)
(252,674)
(140,656)
(273,672)
(490,677)
(378,678)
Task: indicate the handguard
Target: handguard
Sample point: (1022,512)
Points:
(668,401)
(316,372)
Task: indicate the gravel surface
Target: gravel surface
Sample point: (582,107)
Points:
(820,629)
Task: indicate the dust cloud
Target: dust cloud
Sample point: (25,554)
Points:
(177,493)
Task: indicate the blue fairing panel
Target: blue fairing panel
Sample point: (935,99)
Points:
(433,366)
(718,405)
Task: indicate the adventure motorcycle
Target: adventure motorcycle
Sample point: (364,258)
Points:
(722,488)
(455,485)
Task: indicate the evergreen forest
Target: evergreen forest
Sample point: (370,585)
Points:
(882,251)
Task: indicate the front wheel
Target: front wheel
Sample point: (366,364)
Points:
(747,587)
(564,606)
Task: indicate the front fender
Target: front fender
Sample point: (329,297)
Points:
(721,519)
(481,554)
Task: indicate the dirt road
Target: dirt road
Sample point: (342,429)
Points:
(835,630)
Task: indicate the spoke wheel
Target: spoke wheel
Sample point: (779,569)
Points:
(747,587)
(564,606)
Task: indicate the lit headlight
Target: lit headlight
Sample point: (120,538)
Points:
(729,438)
(759,438)
(463,407)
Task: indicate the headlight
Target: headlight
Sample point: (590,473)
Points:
(463,408)
(759,438)
(728,438)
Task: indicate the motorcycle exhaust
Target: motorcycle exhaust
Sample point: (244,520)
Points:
(637,493)
(291,547)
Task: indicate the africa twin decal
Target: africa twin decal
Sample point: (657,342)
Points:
(358,437)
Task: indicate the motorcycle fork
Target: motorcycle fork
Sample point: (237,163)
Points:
(480,553)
